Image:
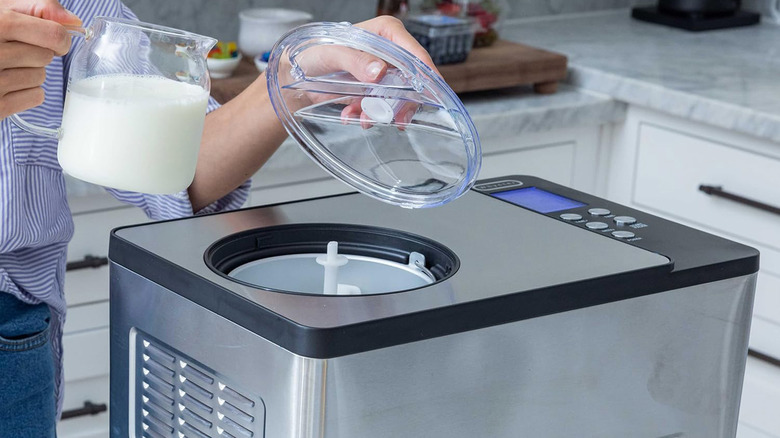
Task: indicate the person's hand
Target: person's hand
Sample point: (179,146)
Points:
(392,29)
(363,66)
(32,32)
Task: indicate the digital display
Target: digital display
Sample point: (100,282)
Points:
(538,200)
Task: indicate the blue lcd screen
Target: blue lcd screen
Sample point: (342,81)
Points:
(538,200)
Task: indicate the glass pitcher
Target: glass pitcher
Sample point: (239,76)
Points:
(135,106)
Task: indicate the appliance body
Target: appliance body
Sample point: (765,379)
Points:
(548,327)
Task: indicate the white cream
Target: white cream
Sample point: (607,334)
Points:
(139,133)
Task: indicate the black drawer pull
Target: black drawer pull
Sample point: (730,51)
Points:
(88,262)
(718,191)
(766,358)
(88,409)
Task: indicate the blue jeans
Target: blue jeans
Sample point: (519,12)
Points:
(27,403)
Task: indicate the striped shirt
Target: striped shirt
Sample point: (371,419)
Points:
(36,220)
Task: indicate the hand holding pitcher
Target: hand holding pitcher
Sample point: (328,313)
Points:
(135,106)
(31,34)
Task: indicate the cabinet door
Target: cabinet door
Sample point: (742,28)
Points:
(86,354)
(658,163)
(570,157)
(94,390)
(760,395)
(671,166)
(553,162)
(93,229)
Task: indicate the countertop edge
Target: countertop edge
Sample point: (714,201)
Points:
(678,103)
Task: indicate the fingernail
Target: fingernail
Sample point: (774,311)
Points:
(374,68)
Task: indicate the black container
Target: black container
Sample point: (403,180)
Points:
(447,39)
(702,7)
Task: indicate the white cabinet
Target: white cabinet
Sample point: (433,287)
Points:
(85,339)
(658,163)
(570,157)
(760,396)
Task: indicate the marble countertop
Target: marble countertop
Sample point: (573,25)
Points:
(728,78)
(519,110)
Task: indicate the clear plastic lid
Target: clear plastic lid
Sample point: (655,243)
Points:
(403,137)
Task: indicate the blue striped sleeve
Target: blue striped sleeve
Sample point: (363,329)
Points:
(160,207)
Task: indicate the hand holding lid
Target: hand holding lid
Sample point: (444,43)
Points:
(400,135)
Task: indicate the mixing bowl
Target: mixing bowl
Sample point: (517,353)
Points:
(259,28)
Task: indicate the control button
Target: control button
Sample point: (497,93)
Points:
(624,220)
(623,234)
(596,225)
(599,211)
(571,217)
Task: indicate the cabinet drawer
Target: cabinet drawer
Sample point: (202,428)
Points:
(671,165)
(86,285)
(87,317)
(86,354)
(95,390)
(552,162)
(92,230)
(767,304)
(765,328)
(761,397)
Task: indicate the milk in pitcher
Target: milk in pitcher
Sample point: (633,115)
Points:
(138,133)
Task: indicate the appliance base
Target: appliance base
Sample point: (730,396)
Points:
(667,364)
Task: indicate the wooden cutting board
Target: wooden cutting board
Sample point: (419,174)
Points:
(501,65)
(506,64)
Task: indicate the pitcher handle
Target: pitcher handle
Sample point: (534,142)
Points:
(40,130)
(35,129)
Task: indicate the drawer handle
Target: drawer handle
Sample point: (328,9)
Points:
(761,356)
(88,262)
(88,409)
(718,191)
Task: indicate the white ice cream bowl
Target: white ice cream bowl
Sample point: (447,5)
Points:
(259,28)
(220,68)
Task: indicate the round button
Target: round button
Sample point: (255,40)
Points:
(599,211)
(623,234)
(571,217)
(624,220)
(596,225)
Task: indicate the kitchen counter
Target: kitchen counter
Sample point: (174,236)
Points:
(728,78)
(519,110)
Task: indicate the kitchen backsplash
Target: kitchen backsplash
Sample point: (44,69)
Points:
(219,18)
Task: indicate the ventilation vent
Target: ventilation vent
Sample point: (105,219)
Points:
(178,397)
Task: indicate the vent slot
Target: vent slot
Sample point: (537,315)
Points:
(148,433)
(235,427)
(176,396)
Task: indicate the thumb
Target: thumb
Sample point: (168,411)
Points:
(47,10)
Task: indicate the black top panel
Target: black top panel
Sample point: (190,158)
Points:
(515,264)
